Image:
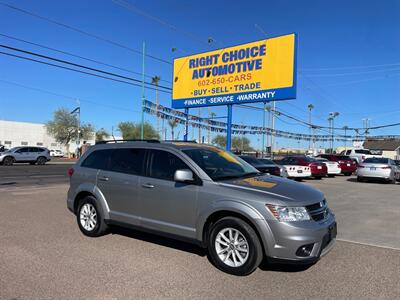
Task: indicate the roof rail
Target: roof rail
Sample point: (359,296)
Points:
(180,141)
(124,141)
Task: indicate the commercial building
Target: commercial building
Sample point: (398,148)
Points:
(13,134)
(389,148)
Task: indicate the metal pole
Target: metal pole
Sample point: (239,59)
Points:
(263,133)
(79,124)
(273,129)
(199,125)
(229,129)
(142,123)
(333,132)
(185,135)
(345,138)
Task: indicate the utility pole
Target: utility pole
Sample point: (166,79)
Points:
(263,133)
(79,123)
(332,116)
(310,108)
(345,127)
(142,123)
(366,125)
(273,129)
(199,125)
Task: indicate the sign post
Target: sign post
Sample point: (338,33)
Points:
(185,134)
(259,71)
(229,129)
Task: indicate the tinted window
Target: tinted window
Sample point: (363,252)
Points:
(127,160)
(348,152)
(23,150)
(251,160)
(342,157)
(363,151)
(164,164)
(376,160)
(266,161)
(97,159)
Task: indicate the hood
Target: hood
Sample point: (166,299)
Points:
(280,190)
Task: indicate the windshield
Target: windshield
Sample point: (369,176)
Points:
(220,164)
(267,161)
(376,160)
(250,159)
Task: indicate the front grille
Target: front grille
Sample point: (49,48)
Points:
(318,211)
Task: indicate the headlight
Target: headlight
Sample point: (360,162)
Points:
(289,214)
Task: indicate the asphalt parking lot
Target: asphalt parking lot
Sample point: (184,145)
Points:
(43,255)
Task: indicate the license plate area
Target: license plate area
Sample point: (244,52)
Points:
(372,169)
(299,171)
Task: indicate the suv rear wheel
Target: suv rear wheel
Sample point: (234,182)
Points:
(41,160)
(90,218)
(234,247)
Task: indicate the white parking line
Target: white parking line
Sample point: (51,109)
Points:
(368,244)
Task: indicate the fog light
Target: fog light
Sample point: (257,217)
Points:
(305,250)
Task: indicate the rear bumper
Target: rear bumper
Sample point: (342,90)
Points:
(378,175)
(285,239)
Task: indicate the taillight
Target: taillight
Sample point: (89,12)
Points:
(70,172)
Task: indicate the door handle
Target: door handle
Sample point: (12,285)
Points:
(104,178)
(147,185)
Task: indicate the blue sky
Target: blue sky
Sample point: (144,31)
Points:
(348,56)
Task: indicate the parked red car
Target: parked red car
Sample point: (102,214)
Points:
(347,164)
(318,169)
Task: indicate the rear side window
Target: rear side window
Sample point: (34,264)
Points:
(363,152)
(127,160)
(164,164)
(97,159)
(23,150)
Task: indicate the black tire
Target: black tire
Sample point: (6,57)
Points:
(318,177)
(41,160)
(255,252)
(101,227)
(8,161)
(347,174)
(331,175)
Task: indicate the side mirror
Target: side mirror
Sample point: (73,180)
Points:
(183,175)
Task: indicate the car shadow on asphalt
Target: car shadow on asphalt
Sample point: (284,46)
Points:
(195,249)
(159,240)
(376,181)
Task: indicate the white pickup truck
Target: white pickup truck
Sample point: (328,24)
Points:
(359,155)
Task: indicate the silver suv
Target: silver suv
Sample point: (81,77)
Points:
(202,194)
(32,155)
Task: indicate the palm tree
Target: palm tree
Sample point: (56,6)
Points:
(172,123)
(155,80)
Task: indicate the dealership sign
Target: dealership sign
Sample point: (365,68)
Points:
(258,71)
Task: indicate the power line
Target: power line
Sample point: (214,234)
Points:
(77,56)
(67,97)
(351,68)
(111,42)
(349,73)
(80,66)
(134,9)
(78,71)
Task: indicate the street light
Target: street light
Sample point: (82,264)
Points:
(332,116)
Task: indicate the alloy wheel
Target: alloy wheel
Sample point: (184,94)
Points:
(88,217)
(232,247)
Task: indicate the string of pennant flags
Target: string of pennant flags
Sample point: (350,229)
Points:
(237,129)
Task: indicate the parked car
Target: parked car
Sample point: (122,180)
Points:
(347,165)
(268,161)
(333,167)
(264,166)
(378,168)
(32,155)
(318,169)
(294,171)
(359,155)
(56,153)
(202,194)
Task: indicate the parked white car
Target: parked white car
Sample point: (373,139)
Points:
(296,171)
(378,168)
(359,155)
(56,153)
(332,166)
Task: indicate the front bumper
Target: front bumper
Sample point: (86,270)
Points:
(283,240)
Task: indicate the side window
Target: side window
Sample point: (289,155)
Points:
(164,164)
(348,152)
(98,159)
(127,160)
(23,150)
(34,149)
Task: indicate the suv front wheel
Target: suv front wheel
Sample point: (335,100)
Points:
(234,246)
(90,218)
